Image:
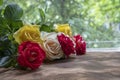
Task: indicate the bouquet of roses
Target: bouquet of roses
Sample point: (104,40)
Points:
(28,46)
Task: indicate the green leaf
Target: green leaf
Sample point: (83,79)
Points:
(13,12)
(3,26)
(46,28)
(42,15)
(6,62)
(2,21)
(3,61)
(6,42)
(8,52)
(16,24)
(7,47)
(1,11)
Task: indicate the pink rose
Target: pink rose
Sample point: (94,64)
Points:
(80,45)
(66,43)
(31,55)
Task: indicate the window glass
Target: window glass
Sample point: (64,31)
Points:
(98,21)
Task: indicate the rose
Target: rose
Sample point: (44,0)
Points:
(65,28)
(28,33)
(67,44)
(31,55)
(80,45)
(52,46)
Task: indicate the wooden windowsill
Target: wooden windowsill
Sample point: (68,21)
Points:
(103,50)
(92,66)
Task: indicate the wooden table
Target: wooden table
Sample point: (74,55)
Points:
(92,66)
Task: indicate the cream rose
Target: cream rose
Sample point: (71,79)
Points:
(52,46)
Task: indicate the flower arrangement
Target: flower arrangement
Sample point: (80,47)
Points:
(27,46)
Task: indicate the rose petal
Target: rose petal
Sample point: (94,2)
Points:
(80,45)
(31,55)
(66,43)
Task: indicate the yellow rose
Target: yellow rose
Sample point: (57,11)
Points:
(65,28)
(28,33)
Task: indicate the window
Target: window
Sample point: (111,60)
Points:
(95,20)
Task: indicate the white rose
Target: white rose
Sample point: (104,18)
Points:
(52,46)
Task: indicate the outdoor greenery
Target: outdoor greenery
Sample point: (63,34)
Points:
(98,21)
(95,20)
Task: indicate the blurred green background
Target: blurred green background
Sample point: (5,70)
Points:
(98,21)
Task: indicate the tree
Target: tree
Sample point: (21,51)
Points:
(95,20)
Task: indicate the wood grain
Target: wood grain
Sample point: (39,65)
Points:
(92,66)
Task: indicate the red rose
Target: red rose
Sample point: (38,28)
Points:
(80,45)
(31,55)
(66,43)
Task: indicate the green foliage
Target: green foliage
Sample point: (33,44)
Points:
(42,16)
(7,52)
(10,21)
(3,26)
(95,20)
(1,1)
(13,12)
(47,28)
(44,25)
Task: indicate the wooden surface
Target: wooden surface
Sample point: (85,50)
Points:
(92,66)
